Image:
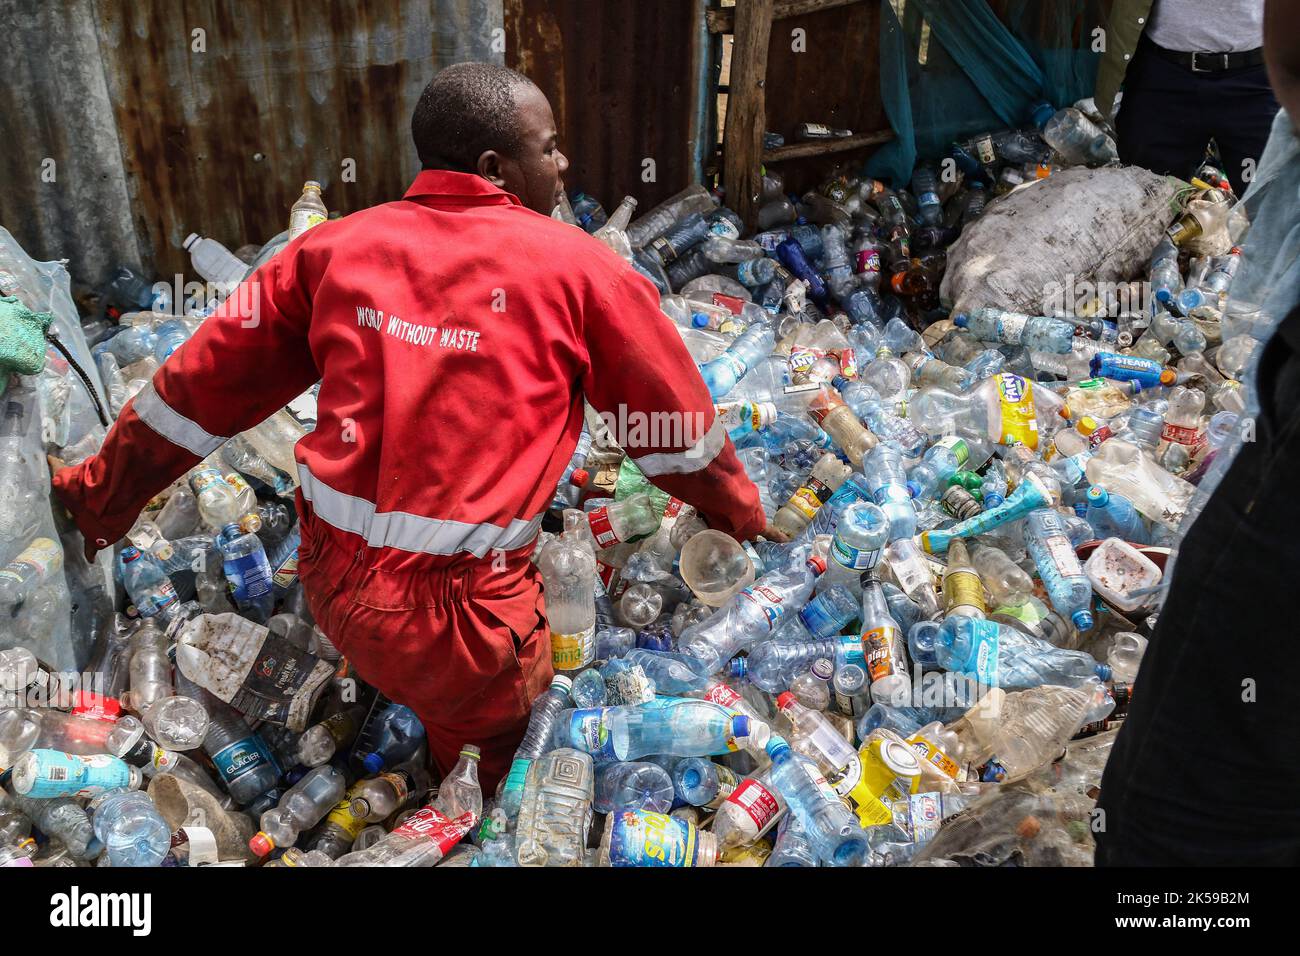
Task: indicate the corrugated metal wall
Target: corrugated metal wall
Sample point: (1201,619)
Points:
(625,79)
(155,131)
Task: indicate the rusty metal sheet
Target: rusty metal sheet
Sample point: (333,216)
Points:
(215,131)
(624,78)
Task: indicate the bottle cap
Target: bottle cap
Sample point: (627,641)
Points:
(740,726)
(92,706)
(913,488)
(579,477)
(961,320)
(823,669)
(1097,495)
(1082,620)
(699,320)
(192,238)
(785,700)
(1087,425)
(817,563)
(1168,376)
(261,844)
(564,683)
(373,763)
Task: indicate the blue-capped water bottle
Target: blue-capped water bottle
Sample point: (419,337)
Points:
(832,829)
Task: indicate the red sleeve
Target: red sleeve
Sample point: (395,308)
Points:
(642,381)
(247,360)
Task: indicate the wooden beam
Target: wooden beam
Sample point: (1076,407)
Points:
(724,20)
(747,109)
(822,147)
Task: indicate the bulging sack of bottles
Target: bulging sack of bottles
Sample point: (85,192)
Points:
(1078,225)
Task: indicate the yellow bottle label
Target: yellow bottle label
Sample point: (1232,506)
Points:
(571,651)
(1019,422)
(927,752)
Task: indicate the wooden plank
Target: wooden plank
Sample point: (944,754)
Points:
(724,20)
(823,147)
(747,109)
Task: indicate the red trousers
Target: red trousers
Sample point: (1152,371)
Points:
(462,641)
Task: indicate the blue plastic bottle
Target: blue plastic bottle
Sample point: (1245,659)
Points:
(998,655)
(1048,541)
(831,827)
(1113,516)
(390,737)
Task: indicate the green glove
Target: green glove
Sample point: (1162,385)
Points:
(22,337)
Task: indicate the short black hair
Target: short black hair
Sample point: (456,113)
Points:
(467,109)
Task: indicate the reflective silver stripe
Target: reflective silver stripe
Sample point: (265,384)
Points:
(172,425)
(695,458)
(408,532)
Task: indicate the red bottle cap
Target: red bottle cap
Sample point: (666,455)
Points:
(579,477)
(785,700)
(261,844)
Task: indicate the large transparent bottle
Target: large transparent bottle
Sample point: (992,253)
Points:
(998,655)
(302,807)
(546,708)
(861,534)
(568,569)
(1003,409)
(831,826)
(555,812)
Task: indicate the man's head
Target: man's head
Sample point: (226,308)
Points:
(489,120)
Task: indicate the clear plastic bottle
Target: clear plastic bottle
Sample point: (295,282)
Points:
(22,577)
(1060,570)
(391,736)
(42,773)
(19,487)
(679,726)
(1008,584)
(963,591)
(636,785)
(246,567)
(63,819)
(753,614)
(832,829)
(844,427)
(999,655)
(423,839)
(826,476)
(215,263)
(723,373)
(133,832)
(1113,516)
(1121,468)
(883,645)
(303,806)
(307,211)
(1038,332)
(749,811)
(1078,140)
(555,812)
(148,585)
(322,740)
(1004,409)
(861,534)
(568,569)
(459,792)
(792,847)
(815,736)
(546,709)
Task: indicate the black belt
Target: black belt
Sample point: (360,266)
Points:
(1208,62)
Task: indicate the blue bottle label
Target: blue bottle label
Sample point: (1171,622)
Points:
(157,600)
(852,652)
(243,756)
(249,575)
(983,660)
(60,774)
(588,732)
(642,838)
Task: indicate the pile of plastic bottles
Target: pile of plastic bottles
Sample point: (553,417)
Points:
(980,511)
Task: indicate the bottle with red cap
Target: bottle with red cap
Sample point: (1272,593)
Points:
(303,806)
(815,736)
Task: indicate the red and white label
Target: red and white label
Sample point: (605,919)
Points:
(752,797)
(1182,435)
(601,527)
(722,694)
(429,824)
(729,302)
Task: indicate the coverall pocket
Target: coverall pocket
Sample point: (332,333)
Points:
(395,591)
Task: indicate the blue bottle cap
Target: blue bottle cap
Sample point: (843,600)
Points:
(1082,620)
(699,320)
(740,726)
(992,501)
(1104,671)
(913,488)
(372,762)
(961,320)
(1097,495)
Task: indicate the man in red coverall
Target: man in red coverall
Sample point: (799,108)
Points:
(455,333)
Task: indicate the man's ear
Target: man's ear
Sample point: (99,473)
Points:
(489,167)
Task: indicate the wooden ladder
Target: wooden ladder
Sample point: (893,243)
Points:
(750,21)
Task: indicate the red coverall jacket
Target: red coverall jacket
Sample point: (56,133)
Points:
(454,334)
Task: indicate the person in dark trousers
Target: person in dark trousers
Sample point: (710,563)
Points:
(1192,71)
(1201,772)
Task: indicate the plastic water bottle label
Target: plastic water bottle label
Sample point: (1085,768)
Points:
(1182,435)
(928,751)
(571,651)
(756,801)
(1019,422)
(430,825)
(241,757)
(588,733)
(983,660)
(852,651)
(854,559)
(58,774)
(643,838)
(287,573)
(928,198)
(249,576)
(809,499)
(960,450)
(767,601)
(602,529)
(722,694)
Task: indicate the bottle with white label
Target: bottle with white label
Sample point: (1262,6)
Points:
(568,569)
(860,535)
(1059,567)
(749,811)
(21,577)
